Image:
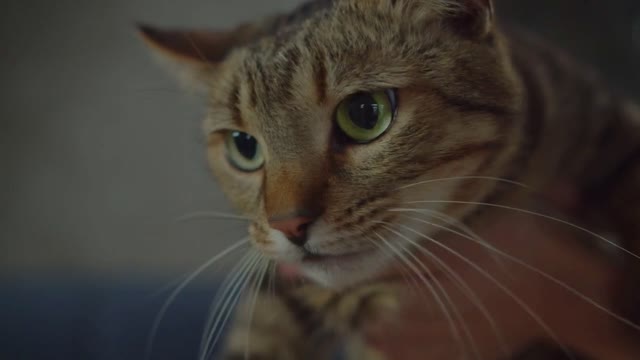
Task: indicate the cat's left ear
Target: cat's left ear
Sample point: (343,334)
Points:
(194,55)
(473,18)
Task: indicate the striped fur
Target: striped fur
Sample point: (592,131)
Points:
(476,101)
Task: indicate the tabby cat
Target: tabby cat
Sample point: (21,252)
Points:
(373,143)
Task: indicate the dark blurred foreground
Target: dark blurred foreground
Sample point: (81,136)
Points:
(81,320)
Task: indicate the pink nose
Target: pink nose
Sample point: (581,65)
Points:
(294,228)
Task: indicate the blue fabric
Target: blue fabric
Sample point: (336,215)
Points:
(96,320)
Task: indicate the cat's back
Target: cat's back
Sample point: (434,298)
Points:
(571,114)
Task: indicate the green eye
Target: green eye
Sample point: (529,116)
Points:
(243,151)
(365,116)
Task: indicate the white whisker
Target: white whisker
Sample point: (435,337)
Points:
(187,281)
(505,181)
(502,287)
(223,292)
(406,273)
(224,313)
(435,280)
(256,290)
(540,272)
(455,333)
(469,293)
(206,215)
(529,212)
(460,225)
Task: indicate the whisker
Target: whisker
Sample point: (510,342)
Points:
(502,287)
(529,212)
(187,281)
(501,180)
(223,309)
(435,280)
(464,287)
(228,306)
(452,326)
(406,273)
(224,291)
(206,215)
(252,307)
(542,273)
(460,225)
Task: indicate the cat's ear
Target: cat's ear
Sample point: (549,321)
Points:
(194,55)
(473,18)
(469,18)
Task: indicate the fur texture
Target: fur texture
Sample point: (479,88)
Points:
(476,104)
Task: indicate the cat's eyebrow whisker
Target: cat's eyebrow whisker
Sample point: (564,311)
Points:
(495,281)
(389,226)
(256,289)
(540,272)
(179,288)
(455,332)
(224,313)
(530,212)
(470,177)
(464,287)
(207,215)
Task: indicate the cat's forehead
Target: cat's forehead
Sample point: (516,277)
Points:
(330,55)
(287,82)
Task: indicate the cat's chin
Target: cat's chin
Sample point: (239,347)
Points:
(343,270)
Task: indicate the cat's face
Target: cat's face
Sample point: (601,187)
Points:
(322,131)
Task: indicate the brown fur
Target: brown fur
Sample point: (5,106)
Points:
(474,101)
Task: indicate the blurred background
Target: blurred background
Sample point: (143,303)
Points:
(101,153)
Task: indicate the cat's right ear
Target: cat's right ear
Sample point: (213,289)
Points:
(194,55)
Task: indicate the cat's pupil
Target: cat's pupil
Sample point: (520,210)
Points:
(246,144)
(364,110)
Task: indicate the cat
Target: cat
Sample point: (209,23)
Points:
(356,134)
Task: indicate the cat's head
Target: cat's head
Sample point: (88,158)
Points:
(324,122)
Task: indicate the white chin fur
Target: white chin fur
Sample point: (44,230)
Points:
(340,274)
(330,273)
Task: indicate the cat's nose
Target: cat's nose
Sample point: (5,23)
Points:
(294,228)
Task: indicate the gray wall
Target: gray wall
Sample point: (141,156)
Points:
(101,151)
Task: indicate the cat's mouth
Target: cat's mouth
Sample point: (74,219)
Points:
(352,260)
(310,257)
(336,269)
(314,261)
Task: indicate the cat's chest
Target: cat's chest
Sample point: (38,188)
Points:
(504,306)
